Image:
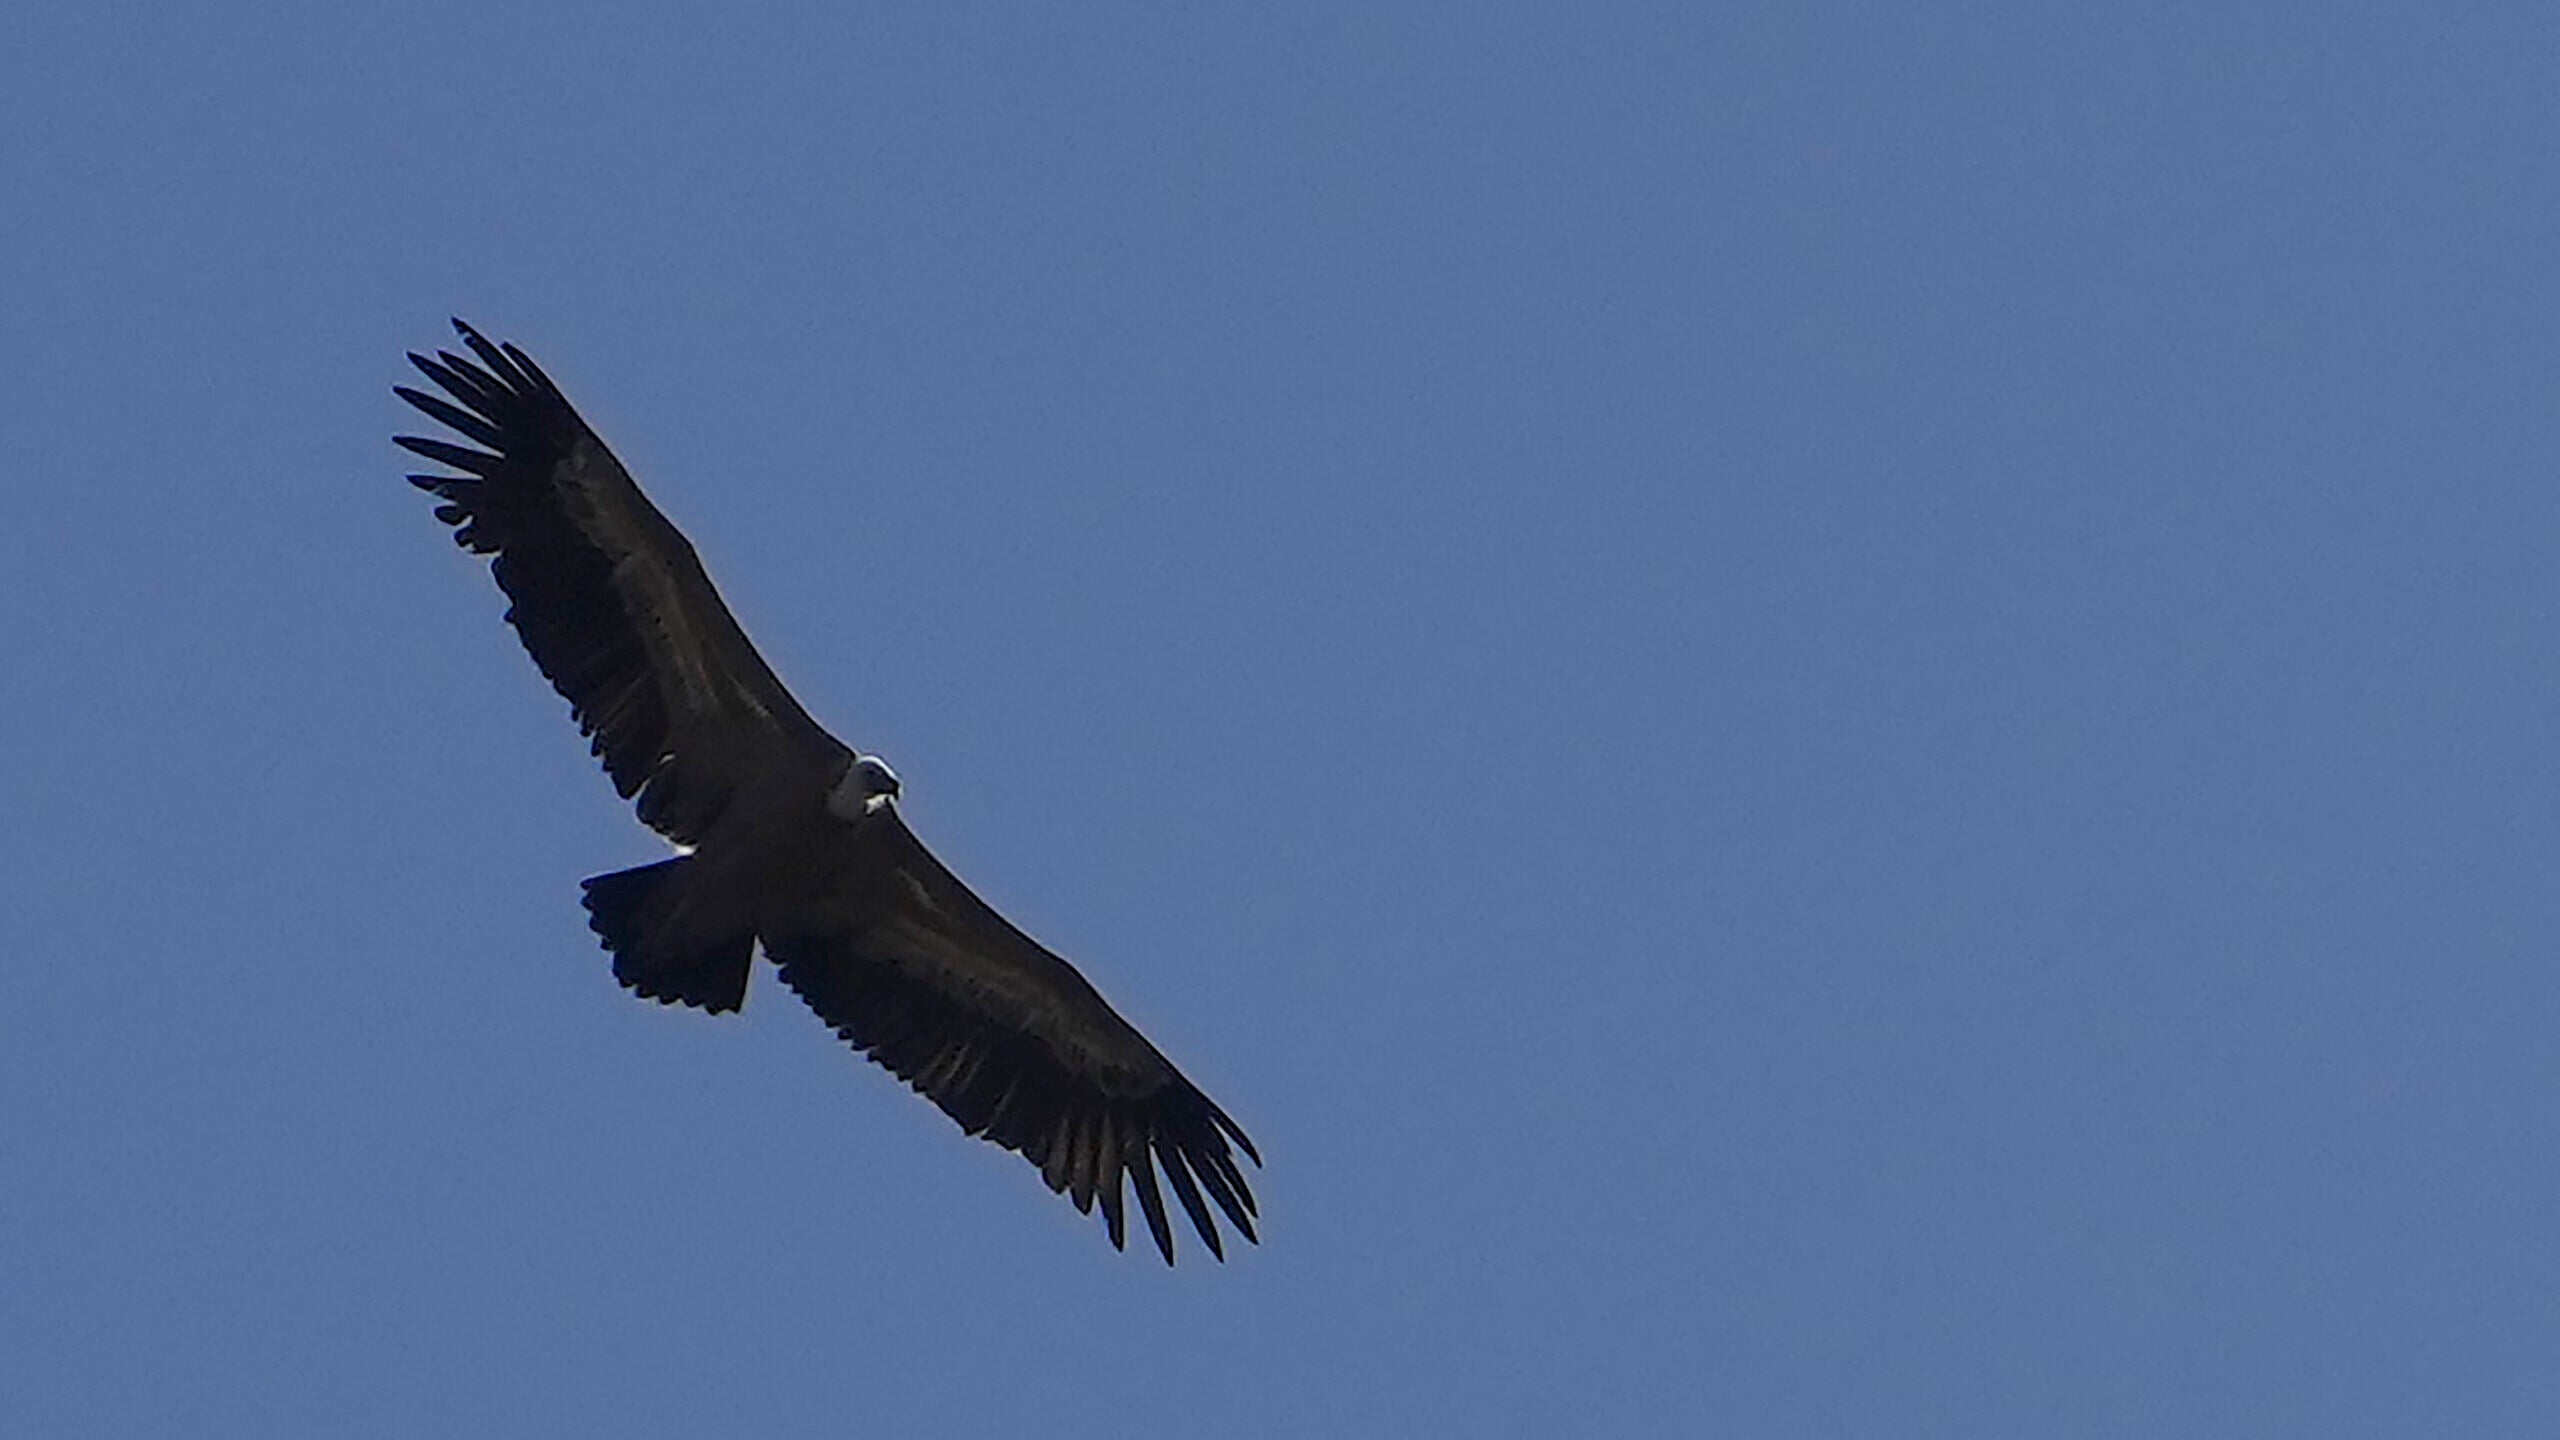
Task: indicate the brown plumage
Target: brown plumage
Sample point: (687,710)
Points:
(795,841)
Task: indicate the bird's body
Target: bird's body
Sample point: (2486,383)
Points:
(793,841)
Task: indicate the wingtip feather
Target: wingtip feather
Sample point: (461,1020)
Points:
(1178,1174)
(1142,1174)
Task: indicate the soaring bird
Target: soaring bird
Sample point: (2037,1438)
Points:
(789,839)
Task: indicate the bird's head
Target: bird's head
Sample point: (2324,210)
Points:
(868,786)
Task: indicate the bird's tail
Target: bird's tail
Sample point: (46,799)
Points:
(663,947)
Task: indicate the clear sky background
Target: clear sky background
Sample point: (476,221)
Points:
(1837,720)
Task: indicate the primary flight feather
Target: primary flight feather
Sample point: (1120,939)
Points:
(794,839)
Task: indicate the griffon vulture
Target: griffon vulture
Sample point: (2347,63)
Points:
(791,839)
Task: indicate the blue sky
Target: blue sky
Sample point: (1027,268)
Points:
(1836,721)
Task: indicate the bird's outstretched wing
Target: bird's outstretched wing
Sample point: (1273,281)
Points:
(874,933)
(608,596)
(921,975)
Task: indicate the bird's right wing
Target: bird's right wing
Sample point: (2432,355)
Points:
(608,596)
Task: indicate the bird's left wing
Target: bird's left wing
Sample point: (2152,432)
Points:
(921,975)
